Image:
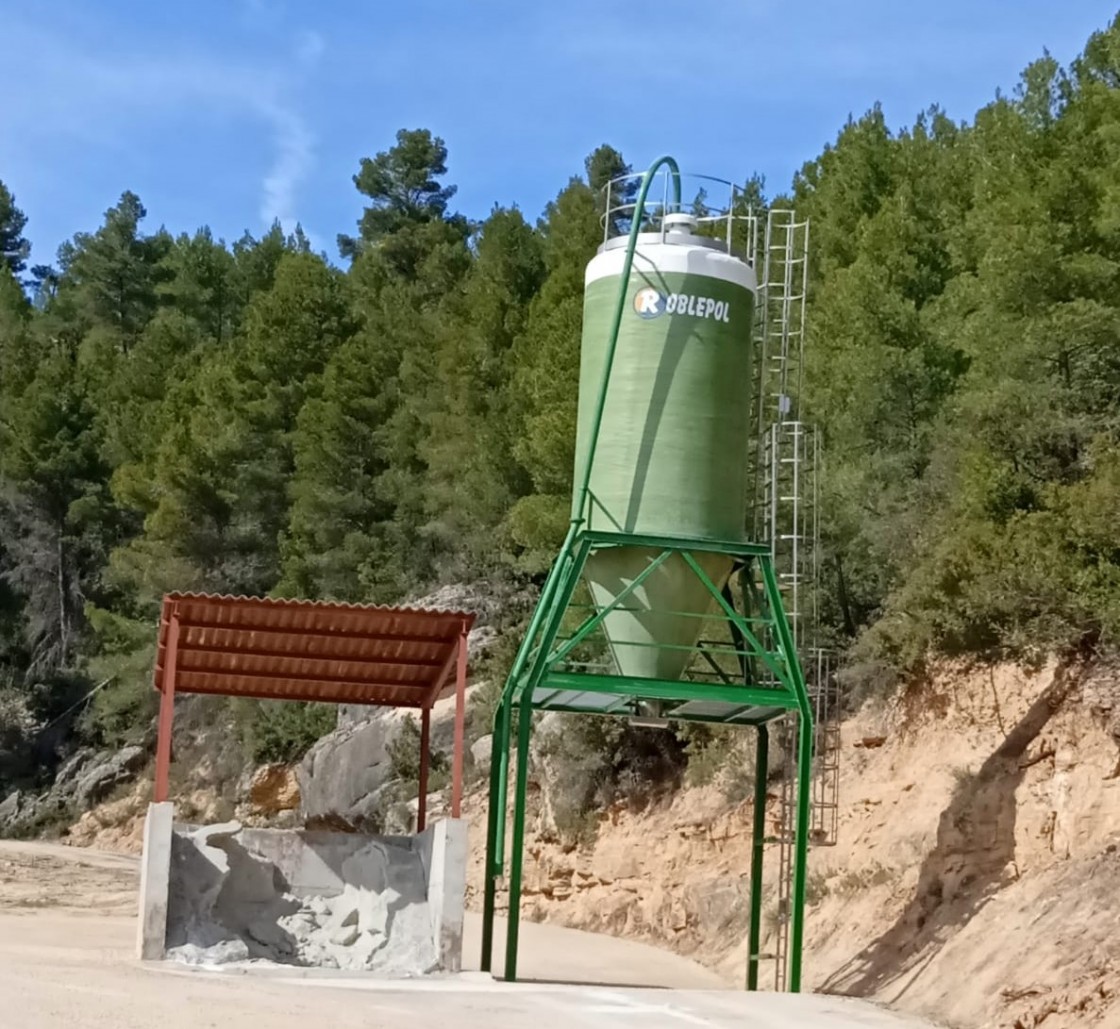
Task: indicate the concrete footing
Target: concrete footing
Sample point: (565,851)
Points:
(443,853)
(155,877)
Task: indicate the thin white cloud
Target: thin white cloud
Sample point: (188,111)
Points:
(95,98)
(309,48)
(295,157)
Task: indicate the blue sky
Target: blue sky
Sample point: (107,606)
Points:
(234,112)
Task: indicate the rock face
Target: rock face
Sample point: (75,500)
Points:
(481,750)
(9,810)
(83,779)
(340,778)
(494,604)
(274,788)
(105,772)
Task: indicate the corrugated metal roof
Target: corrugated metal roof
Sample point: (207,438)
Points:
(310,650)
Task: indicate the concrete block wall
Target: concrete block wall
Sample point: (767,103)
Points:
(245,888)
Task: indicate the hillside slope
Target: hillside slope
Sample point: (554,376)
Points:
(974,877)
(973,881)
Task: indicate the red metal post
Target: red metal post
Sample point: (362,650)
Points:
(460,725)
(167,709)
(425,756)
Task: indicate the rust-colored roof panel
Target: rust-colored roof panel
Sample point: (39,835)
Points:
(309,650)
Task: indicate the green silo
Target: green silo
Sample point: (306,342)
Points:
(671,458)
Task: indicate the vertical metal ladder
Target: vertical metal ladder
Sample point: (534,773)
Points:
(787,462)
(824,695)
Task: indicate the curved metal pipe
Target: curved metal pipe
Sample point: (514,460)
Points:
(623,288)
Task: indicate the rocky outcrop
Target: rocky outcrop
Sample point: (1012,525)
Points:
(83,780)
(10,808)
(496,605)
(340,778)
(272,789)
(481,750)
(343,779)
(102,774)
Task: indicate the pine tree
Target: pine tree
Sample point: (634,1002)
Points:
(14,248)
(546,360)
(109,278)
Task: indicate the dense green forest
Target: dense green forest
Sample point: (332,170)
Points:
(179,413)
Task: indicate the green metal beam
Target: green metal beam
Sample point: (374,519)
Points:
(566,586)
(668,689)
(758,840)
(499,762)
(503,728)
(804,771)
(736,548)
(699,649)
(496,813)
(705,615)
(757,649)
(517,847)
(615,712)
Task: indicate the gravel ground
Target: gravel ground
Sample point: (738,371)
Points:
(66,962)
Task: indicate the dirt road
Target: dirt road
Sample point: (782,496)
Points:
(66,962)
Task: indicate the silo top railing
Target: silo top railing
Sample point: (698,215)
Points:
(724,216)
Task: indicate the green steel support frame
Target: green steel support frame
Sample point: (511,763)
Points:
(764,684)
(543,677)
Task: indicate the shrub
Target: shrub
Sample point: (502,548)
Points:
(281,730)
(816,888)
(17,727)
(121,712)
(594,761)
(856,880)
(404,758)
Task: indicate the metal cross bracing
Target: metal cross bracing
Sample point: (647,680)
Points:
(742,671)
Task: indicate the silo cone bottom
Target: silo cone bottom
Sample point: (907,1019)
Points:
(666,609)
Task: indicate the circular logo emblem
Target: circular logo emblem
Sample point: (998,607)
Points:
(648,303)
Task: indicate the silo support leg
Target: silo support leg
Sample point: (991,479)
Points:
(758,839)
(499,770)
(801,845)
(524,727)
(796,684)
